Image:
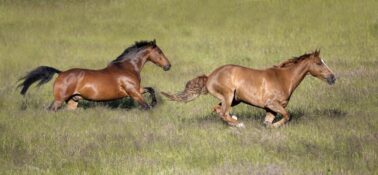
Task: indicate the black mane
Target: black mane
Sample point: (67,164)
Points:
(134,49)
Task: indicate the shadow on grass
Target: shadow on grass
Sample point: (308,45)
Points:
(331,113)
(124,103)
(296,114)
(259,116)
(212,117)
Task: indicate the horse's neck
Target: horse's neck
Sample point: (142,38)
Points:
(136,62)
(296,74)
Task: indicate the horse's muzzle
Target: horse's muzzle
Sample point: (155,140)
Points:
(331,79)
(166,67)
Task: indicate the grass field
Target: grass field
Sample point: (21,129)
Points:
(334,129)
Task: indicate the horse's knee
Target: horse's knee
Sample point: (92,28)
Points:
(143,90)
(149,89)
(217,108)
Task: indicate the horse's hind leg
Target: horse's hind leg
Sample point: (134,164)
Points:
(217,108)
(62,93)
(55,105)
(225,108)
(151,91)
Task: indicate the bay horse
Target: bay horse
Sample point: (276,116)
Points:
(269,89)
(121,78)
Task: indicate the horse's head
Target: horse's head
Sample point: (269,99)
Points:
(157,56)
(319,69)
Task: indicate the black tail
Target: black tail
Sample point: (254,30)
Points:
(43,74)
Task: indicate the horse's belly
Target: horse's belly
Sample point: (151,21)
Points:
(102,92)
(250,98)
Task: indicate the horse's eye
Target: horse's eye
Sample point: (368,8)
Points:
(320,63)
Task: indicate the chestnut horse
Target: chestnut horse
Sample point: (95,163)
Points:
(269,89)
(121,78)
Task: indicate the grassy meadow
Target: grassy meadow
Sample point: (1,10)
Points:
(334,129)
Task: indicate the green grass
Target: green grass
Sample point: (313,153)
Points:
(334,129)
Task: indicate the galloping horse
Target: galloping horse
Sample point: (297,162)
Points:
(121,78)
(269,89)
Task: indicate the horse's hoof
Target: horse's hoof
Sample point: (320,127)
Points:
(234,117)
(240,125)
(146,108)
(275,125)
(153,103)
(268,124)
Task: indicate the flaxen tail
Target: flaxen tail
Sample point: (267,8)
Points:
(43,74)
(193,89)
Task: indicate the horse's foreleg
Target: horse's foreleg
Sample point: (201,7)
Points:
(151,91)
(137,96)
(276,107)
(269,117)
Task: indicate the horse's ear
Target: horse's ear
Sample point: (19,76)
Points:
(317,52)
(153,43)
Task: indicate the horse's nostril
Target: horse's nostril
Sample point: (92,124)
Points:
(167,67)
(331,79)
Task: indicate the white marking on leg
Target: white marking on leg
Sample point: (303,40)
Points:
(240,125)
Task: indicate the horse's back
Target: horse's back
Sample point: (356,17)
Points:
(228,77)
(76,75)
(235,73)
